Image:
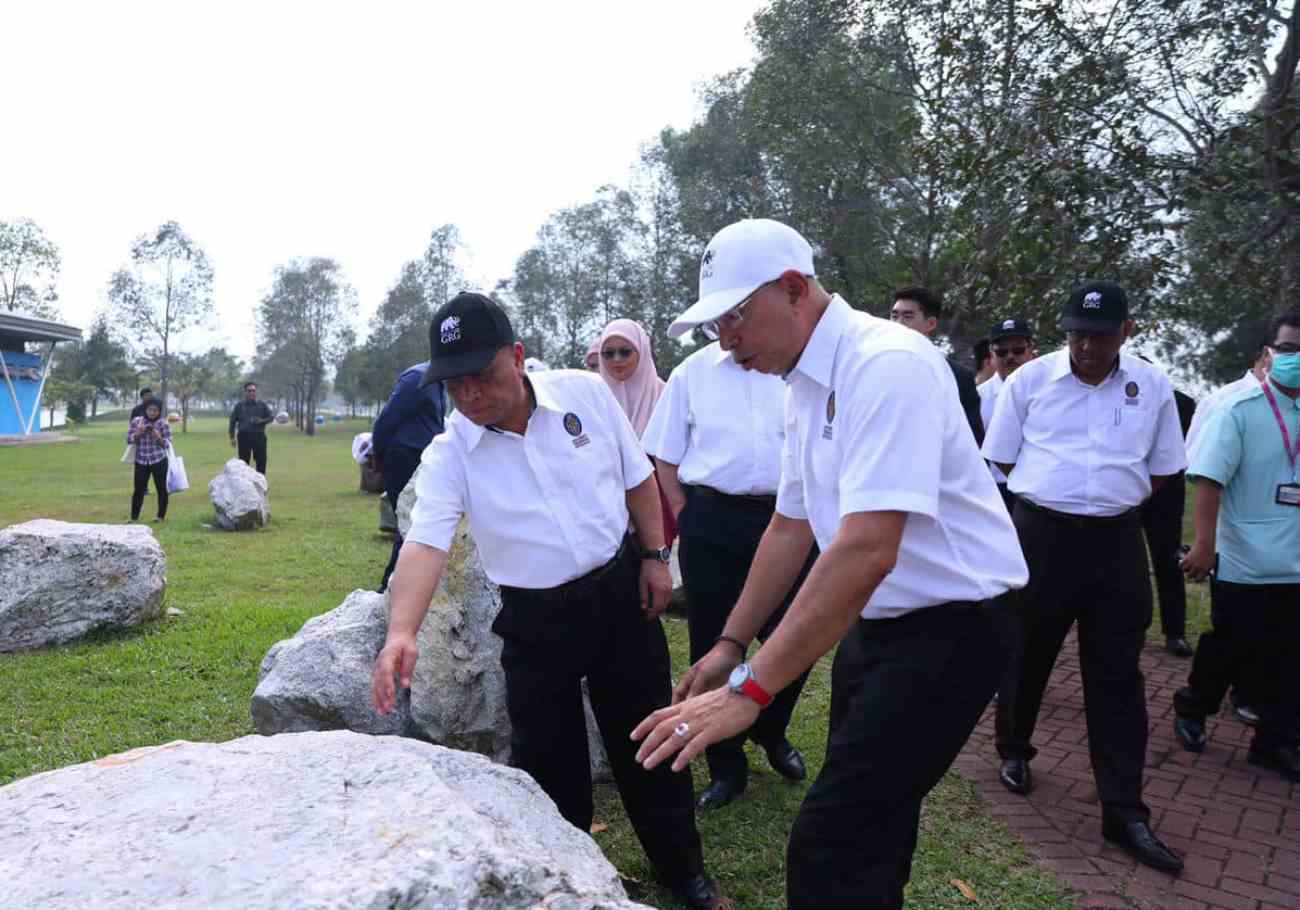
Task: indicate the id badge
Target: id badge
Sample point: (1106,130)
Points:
(1288,494)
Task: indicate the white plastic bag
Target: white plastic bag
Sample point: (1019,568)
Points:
(128,457)
(177,480)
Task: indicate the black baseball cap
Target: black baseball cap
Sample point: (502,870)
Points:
(1011,328)
(1095,306)
(466,333)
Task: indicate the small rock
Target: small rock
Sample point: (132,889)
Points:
(239,495)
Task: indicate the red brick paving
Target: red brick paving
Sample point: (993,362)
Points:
(1237,826)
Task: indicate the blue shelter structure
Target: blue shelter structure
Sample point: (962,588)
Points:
(24,374)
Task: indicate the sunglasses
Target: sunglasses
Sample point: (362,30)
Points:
(1017,349)
(617,353)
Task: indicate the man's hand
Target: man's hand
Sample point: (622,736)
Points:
(1198,563)
(397,658)
(709,672)
(656,588)
(704,720)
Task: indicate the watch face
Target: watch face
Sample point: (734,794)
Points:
(738,676)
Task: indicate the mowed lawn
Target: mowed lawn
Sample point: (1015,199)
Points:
(191,676)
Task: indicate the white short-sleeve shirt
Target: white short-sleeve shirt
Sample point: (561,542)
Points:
(722,425)
(545,507)
(988,392)
(1084,449)
(873,424)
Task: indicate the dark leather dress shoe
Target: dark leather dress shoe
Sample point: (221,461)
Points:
(786,760)
(1285,760)
(1190,732)
(1015,776)
(1138,839)
(701,892)
(718,794)
(1178,646)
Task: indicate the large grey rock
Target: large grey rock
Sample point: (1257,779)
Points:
(60,580)
(307,820)
(320,678)
(239,495)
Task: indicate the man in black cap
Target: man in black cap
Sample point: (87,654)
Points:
(1011,343)
(549,471)
(1084,434)
(146,396)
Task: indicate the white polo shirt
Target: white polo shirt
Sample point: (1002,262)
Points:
(722,426)
(1083,449)
(545,507)
(988,392)
(874,423)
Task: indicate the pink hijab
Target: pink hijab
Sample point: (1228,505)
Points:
(639,393)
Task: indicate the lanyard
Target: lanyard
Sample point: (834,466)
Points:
(1291,453)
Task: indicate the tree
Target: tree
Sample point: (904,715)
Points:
(302,328)
(166,289)
(105,365)
(29,266)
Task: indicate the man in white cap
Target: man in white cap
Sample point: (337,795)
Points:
(913,539)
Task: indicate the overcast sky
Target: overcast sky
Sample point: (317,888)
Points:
(278,130)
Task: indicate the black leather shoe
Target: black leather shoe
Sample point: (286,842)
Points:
(1285,760)
(1138,839)
(786,760)
(1190,732)
(701,892)
(1178,646)
(1015,776)
(718,794)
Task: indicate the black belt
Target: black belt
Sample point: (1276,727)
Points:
(579,586)
(753,502)
(1123,518)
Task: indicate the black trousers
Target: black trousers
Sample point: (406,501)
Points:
(400,463)
(905,695)
(598,631)
(1095,574)
(1162,520)
(714,568)
(253,444)
(158,471)
(1255,626)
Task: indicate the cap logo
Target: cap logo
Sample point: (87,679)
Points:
(1009,324)
(1092,300)
(450,329)
(706,267)
(572,425)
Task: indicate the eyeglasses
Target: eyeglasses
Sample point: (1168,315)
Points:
(617,353)
(731,319)
(1017,350)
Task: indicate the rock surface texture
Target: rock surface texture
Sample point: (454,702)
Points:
(298,821)
(320,678)
(239,495)
(60,580)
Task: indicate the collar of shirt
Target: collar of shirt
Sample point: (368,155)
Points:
(818,358)
(542,397)
(1063,367)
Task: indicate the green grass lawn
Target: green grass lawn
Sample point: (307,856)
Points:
(191,676)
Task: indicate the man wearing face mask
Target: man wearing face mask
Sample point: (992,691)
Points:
(1248,536)
(1084,435)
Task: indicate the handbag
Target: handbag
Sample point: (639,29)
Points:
(177,480)
(128,457)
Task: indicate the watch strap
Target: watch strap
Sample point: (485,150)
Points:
(755,692)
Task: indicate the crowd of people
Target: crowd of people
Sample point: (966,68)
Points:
(835,482)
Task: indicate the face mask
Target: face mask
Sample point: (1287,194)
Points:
(1286,370)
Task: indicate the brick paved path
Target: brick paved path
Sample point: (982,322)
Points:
(1237,826)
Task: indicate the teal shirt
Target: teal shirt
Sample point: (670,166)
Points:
(1258,539)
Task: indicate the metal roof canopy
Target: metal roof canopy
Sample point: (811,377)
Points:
(29,328)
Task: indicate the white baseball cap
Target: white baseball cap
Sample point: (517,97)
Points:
(740,258)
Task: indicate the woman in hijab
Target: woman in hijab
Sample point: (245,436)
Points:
(627,365)
(593,356)
(151,436)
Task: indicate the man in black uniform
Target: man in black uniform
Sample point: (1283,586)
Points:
(250,417)
(1084,434)
(146,396)
(920,309)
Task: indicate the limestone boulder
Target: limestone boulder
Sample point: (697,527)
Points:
(320,678)
(239,496)
(310,821)
(60,580)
